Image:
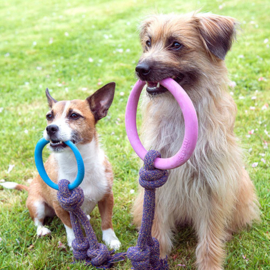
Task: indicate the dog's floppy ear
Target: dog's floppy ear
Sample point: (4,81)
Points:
(50,99)
(101,100)
(145,24)
(217,33)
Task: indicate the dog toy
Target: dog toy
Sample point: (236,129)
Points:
(71,197)
(41,170)
(154,174)
(190,118)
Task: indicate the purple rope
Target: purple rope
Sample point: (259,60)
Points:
(84,248)
(145,256)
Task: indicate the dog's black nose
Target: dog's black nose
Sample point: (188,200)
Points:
(143,69)
(52,129)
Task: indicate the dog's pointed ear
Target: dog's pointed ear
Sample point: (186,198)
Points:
(50,99)
(101,100)
(217,33)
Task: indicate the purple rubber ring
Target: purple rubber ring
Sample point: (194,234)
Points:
(190,118)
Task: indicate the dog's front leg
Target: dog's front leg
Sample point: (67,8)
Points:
(162,223)
(105,207)
(65,218)
(162,231)
(210,228)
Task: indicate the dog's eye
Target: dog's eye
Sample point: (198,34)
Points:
(49,116)
(176,45)
(74,116)
(148,43)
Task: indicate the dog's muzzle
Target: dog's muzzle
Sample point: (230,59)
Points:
(55,144)
(143,71)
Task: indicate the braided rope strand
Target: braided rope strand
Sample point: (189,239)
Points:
(84,248)
(145,255)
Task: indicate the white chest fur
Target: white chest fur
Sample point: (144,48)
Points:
(95,184)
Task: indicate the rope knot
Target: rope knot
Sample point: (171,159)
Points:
(70,200)
(140,259)
(80,249)
(164,264)
(154,258)
(99,256)
(150,177)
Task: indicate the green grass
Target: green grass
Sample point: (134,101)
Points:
(49,44)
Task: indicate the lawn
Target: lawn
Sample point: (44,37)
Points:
(73,48)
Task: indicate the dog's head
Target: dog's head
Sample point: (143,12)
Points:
(184,48)
(75,120)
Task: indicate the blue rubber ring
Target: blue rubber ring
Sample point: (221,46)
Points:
(41,170)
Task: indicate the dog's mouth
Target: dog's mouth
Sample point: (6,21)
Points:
(155,88)
(58,145)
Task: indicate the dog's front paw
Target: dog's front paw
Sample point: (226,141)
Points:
(110,239)
(70,236)
(42,231)
(115,244)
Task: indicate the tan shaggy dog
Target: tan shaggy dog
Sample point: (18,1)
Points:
(212,191)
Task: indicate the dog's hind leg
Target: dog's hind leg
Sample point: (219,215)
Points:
(105,207)
(38,211)
(247,205)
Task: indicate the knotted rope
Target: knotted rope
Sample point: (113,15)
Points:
(145,255)
(84,248)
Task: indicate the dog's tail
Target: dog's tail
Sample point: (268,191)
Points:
(13,185)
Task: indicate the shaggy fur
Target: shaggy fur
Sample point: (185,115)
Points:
(212,191)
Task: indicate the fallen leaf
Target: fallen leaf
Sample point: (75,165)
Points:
(62,246)
(29,180)
(31,247)
(10,167)
(232,84)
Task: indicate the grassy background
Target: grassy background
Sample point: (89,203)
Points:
(74,47)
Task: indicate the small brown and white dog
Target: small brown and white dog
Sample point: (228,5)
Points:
(75,120)
(212,191)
